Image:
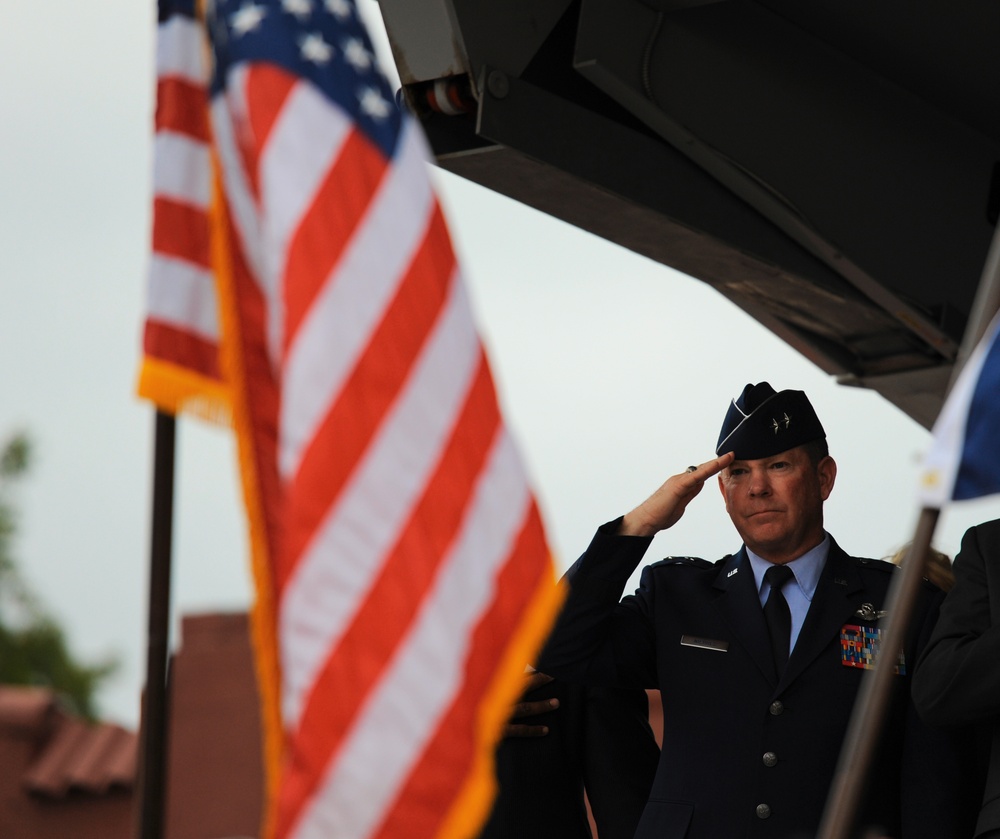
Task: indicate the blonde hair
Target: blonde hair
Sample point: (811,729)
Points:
(937,566)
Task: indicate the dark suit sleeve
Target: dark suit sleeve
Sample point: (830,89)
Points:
(942,770)
(596,639)
(957,680)
(541,779)
(599,739)
(619,760)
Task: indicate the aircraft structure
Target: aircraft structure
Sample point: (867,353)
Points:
(831,166)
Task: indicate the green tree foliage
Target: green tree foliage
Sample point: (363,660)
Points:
(33,647)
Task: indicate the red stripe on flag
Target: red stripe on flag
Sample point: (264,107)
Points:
(267,88)
(261,394)
(181,231)
(382,622)
(357,413)
(180,347)
(419,809)
(182,107)
(329,225)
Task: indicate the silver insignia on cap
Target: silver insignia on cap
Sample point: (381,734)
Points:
(777,425)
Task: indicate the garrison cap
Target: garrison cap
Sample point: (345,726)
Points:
(762,423)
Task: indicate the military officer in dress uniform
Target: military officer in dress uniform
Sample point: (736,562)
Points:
(758,656)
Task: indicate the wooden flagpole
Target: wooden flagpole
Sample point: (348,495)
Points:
(153,738)
(869,710)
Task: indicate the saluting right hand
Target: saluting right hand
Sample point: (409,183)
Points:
(665,507)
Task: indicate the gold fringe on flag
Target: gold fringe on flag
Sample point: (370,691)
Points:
(174,390)
(262,615)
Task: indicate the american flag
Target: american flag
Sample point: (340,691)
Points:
(402,571)
(181,369)
(963,461)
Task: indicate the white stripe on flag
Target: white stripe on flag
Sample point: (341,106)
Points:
(423,678)
(302,146)
(322,597)
(340,324)
(227,109)
(182,169)
(183,295)
(180,50)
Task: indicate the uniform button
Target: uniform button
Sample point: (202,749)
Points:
(763,811)
(770,759)
(776,708)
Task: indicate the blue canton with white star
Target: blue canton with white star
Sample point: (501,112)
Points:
(323,41)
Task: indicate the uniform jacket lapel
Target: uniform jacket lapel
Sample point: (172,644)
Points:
(739,603)
(834,602)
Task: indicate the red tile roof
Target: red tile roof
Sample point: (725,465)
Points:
(72,754)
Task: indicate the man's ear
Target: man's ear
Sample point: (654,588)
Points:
(826,470)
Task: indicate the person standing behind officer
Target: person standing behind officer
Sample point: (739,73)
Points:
(758,656)
(564,740)
(957,681)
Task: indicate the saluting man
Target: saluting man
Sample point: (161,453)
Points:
(759,656)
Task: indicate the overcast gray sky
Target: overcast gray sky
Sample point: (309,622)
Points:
(614,371)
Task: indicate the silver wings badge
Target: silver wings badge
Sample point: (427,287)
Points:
(867,612)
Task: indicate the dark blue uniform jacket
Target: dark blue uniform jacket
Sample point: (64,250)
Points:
(746,754)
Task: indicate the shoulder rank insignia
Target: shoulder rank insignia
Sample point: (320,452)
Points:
(696,561)
(859,647)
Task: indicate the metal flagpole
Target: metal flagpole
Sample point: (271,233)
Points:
(869,710)
(153,739)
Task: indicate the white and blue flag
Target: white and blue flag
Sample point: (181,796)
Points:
(964,458)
